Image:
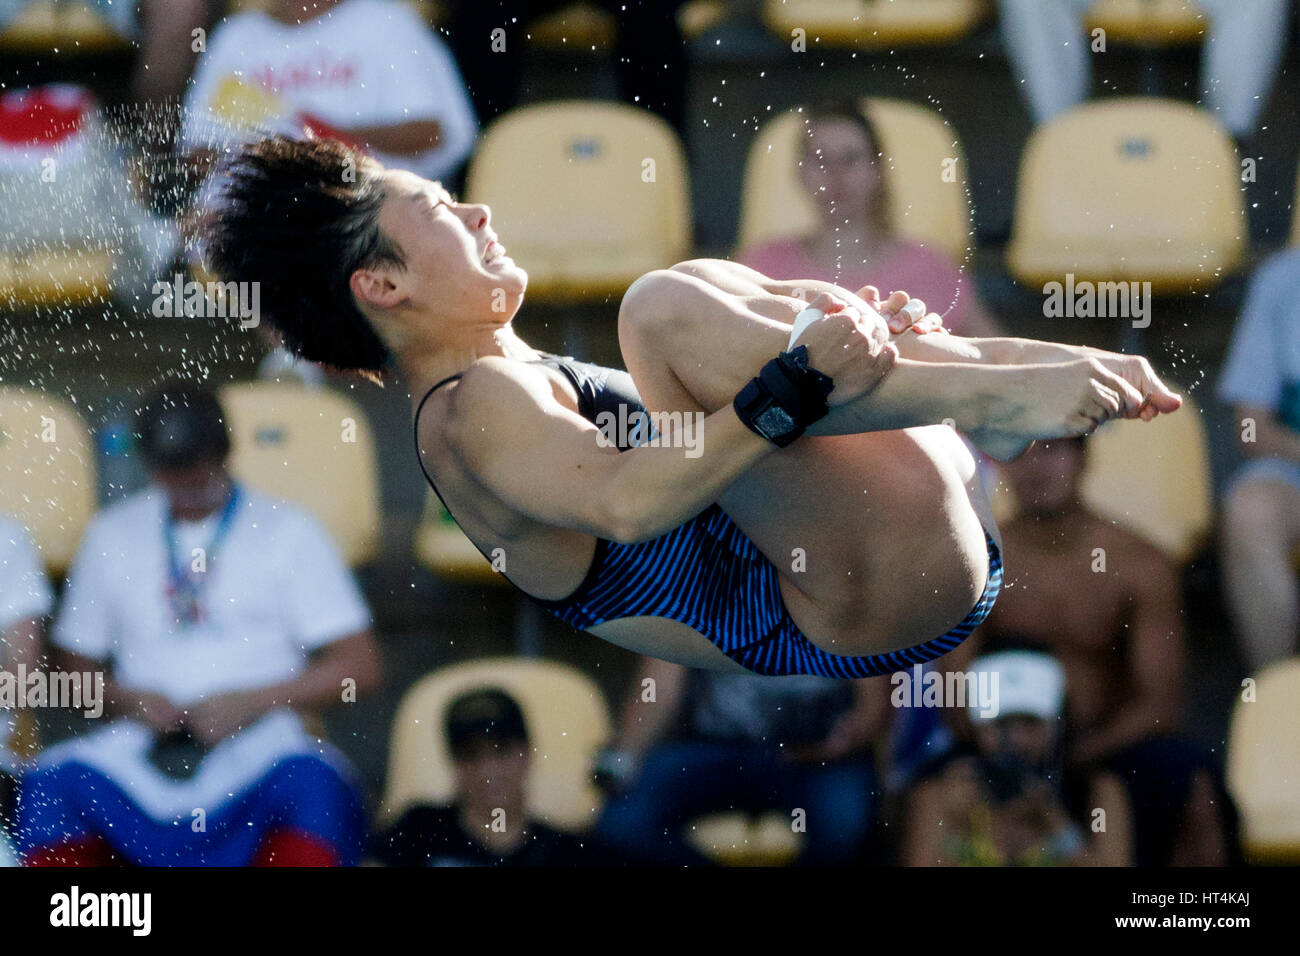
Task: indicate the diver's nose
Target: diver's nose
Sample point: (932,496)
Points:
(479,215)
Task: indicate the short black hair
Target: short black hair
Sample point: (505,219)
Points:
(182,425)
(299,217)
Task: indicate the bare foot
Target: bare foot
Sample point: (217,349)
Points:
(1055,401)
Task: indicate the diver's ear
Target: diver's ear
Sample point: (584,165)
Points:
(375,287)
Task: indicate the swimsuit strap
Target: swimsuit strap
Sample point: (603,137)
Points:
(419,457)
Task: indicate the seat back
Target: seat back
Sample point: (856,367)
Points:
(313,447)
(1264,765)
(1154,478)
(925,208)
(1134,189)
(586,196)
(47,472)
(447,551)
(854,23)
(1150,23)
(567,720)
(67,26)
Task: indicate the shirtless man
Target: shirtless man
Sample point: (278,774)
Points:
(1118,632)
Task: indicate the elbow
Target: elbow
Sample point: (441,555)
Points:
(623,519)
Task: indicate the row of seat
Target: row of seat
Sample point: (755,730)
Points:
(590,195)
(1131,189)
(569,721)
(74,25)
(313,447)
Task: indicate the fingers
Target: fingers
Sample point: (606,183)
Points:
(827,303)
(1160,396)
(892,312)
(869,294)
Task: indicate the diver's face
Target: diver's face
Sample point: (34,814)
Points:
(454,263)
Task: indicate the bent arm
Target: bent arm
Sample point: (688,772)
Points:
(547,462)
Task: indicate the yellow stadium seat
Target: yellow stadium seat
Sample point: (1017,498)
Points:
(63,275)
(1152,478)
(567,719)
(1151,23)
(69,27)
(584,26)
(774,204)
(579,26)
(1133,189)
(879,23)
(733,838)
(313,447)
(47,472)
(586,196)
(1264,765)
(445,550)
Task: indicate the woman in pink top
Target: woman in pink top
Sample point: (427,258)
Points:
(856,245)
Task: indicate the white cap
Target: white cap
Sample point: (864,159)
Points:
(1028,682)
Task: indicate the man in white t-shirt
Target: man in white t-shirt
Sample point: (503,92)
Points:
(24,603)
(368,72)
(219,614)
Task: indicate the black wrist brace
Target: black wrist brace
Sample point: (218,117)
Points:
(787,396)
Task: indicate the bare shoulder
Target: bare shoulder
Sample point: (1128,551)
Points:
(496,398)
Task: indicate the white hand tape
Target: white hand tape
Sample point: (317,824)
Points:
(914,308)
(801,322)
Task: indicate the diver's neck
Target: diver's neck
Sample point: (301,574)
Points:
(425,368)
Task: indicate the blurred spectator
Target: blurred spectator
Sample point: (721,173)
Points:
(855,244)
(66,192)
(368,72)
(715,742)
(1108,606)
(162,30)
(487,823)
(1002,803)
(221,616)
(1051,56)
(25,600)
(649,53)
(1261,518)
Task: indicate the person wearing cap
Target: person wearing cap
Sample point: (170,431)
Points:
(219,616)
(1002,801)
(487,822)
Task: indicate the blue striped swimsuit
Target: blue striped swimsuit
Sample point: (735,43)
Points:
(708,575)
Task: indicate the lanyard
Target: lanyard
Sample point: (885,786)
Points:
(184,587)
